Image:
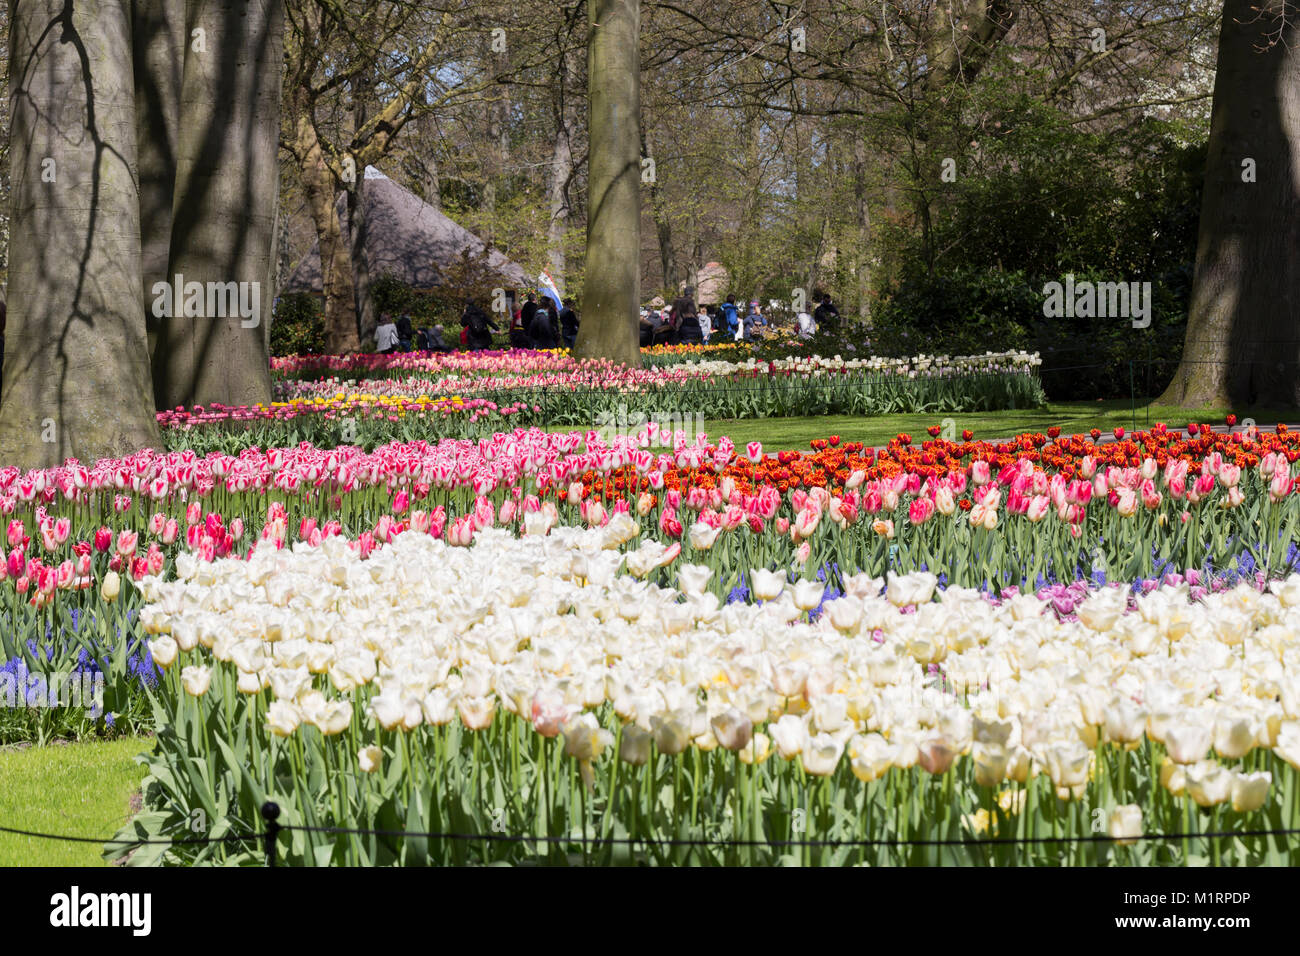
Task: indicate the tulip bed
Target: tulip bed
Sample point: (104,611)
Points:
(418,691)
(683,561)
(368,418)
(564,391)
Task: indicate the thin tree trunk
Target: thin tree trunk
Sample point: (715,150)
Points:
(663,228)
(159,56)
(223,221)
(432,182)
(357,223)
(612,287)
(862,222)
(340,318)
(1243,339)
(815,267)
(76,363)
(357,229)
(498,137)
(283,251)
(561,172)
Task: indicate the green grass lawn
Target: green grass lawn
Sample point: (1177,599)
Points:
(1073,417)
(80,789)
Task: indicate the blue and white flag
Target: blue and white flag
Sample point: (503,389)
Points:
(546,286)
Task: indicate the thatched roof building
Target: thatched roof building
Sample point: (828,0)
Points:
(407,238)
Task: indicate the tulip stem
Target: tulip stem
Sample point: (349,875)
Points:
(611,800)
(1215,842)
(695,786)
(586,861)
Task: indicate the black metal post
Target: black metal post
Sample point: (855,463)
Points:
(271,814)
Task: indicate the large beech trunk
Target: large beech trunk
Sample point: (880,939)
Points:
(1243,327)
(223,213)
(159,53)
(612,283)
(76,363)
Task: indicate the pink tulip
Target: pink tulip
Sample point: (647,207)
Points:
(943,501)
(484,515)
(126,541)
(1280,484)
(919,512)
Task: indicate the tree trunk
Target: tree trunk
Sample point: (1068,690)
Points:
(862,220)
(561,171)
(159,54)
(366,323)
(340,317)
(1243,340)
(432,183)
(357,226)
(612,287)
(498,137)
(223,221)
(813,284)
(663,228)
(283,251)
(76,363)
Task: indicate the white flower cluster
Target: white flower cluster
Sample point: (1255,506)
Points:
(547,627)
(910,367)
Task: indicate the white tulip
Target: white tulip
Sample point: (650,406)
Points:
(767,585)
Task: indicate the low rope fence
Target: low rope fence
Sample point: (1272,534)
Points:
(269,838)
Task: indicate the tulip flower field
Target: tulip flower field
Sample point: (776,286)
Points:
(371,400)
(560,390)
(661,649)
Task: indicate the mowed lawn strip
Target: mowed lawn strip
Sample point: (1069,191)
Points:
(78,789)
(777,434)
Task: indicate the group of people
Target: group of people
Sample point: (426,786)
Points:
(537,325)
(684,322)
(401,336)
(825,316)
(533,325)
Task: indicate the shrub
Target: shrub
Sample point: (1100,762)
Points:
(297,325)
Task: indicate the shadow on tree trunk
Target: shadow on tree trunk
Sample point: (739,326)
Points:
(1243,333)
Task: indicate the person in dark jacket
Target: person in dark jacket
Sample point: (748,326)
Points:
(542,328)
(691,330)
(684,313)
(404,333)
(478,327)
(728,317)
(526,313)
(826,315)
(436,341)
(569,324)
